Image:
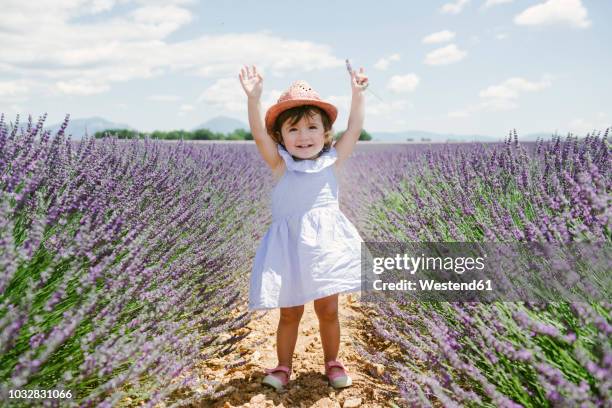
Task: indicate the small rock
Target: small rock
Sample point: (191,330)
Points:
(327,403)
(229,389)
(379,369)
(256,355)
(253,386)
(216,362)
(352,403)
(256,399)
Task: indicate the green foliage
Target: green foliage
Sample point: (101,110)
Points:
(198,134)
(119,133)
(362,136)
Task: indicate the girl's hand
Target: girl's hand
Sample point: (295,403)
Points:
(359,81)
(251,82)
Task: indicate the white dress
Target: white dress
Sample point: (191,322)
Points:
(311,250)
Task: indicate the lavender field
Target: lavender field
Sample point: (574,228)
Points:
(125,263)
(506,354)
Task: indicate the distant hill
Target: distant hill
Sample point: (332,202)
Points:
(222,124)
(77,127)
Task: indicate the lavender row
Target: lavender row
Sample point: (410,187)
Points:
(502,354)
(121,262)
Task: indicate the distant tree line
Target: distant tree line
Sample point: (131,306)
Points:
(199,134)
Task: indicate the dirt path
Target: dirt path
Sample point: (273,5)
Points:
(308,386)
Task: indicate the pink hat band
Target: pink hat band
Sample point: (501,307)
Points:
(298,94)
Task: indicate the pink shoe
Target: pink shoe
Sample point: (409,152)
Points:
(337,379)
(277,381)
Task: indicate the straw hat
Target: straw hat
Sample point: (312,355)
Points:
(299,93)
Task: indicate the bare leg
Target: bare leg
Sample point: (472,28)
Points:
(327,312)
(286,335)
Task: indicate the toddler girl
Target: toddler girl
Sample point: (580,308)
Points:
(311,251)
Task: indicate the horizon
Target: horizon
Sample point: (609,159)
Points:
(23,122)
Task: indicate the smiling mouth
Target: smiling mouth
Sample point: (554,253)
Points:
(304,146)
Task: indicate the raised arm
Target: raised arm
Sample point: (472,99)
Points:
(252,83)
(346,144)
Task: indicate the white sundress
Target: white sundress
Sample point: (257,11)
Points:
(311,250)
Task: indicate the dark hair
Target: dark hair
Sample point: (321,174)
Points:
(294,115)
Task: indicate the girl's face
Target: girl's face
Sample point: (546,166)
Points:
(306,138)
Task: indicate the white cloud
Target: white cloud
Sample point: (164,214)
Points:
(186,107)
(438,37)
(341,102)
(491,3)
(498,33)
(375,107)
(502,97)
(164,98)
(18,88)
(510,88)
(387,109)
(172,16)
(47,41)
(454,8)
(226,94)
(491,105)
(599,123)
(445,55)
(226,54)
(570,12)
(81,87)
(383,63)
(163,2)
(403,83)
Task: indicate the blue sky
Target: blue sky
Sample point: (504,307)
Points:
(460,66)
